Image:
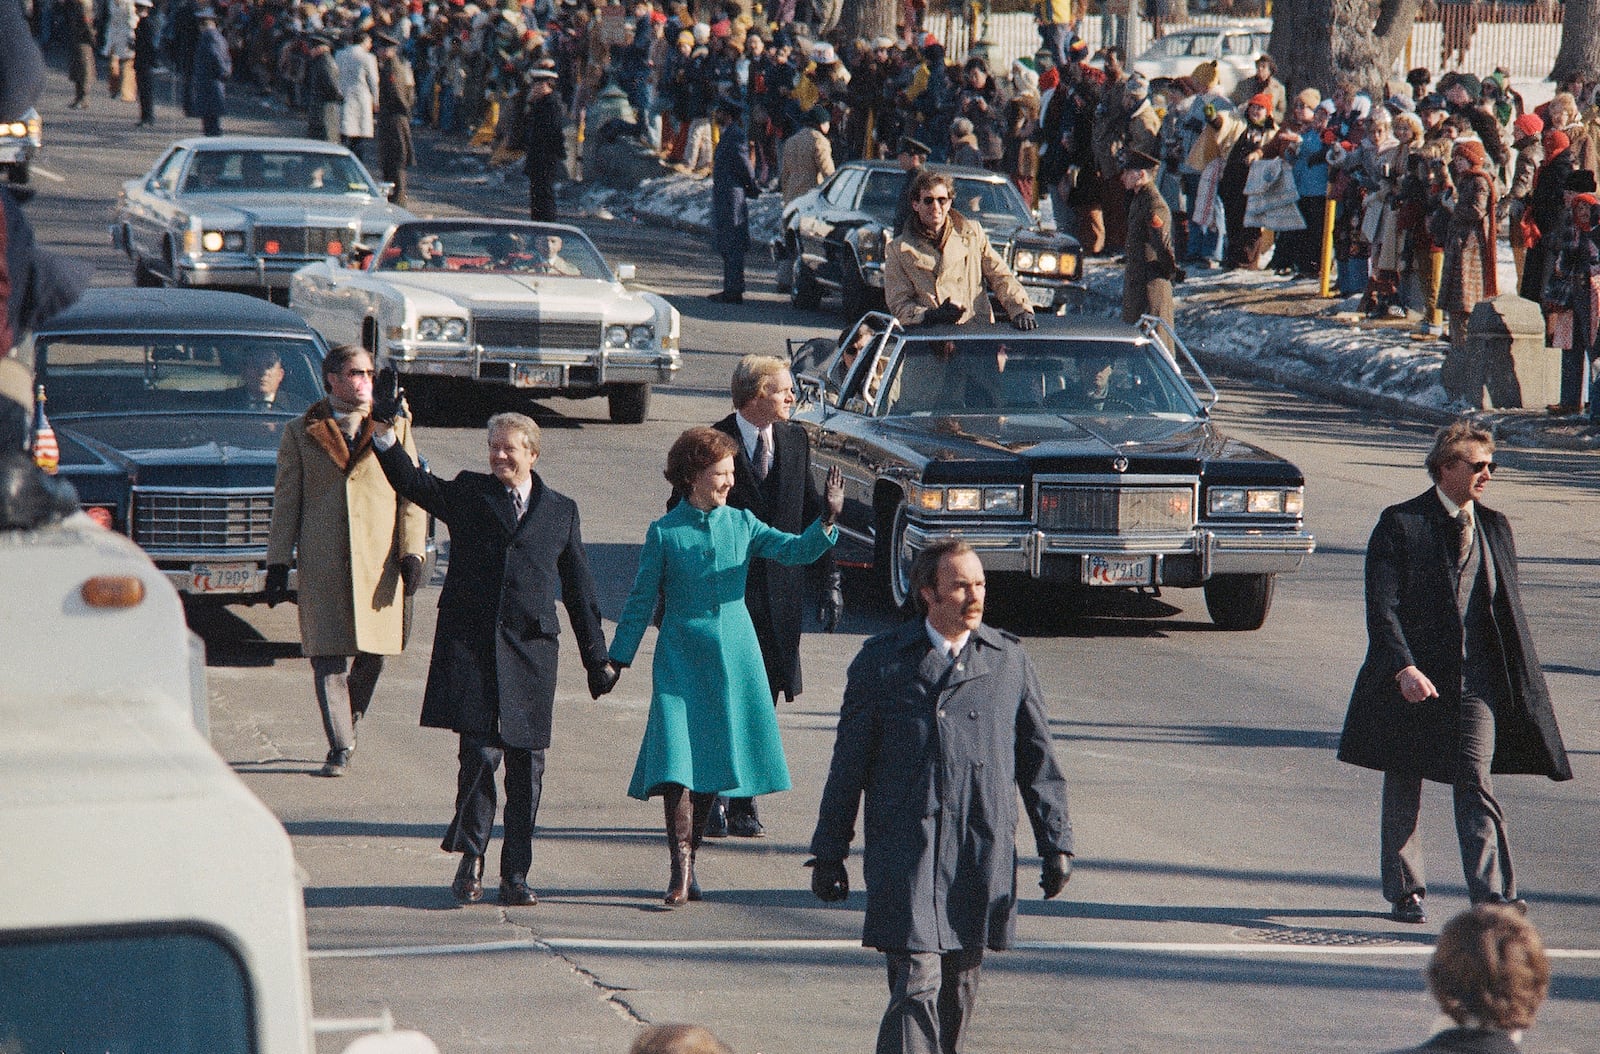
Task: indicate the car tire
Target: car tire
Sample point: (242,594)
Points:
(807,295)
(143,277)
(1239,602)
(891,558)
(629,404)
(20,173)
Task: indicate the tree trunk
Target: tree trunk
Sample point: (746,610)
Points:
(1317,43)
(869,18)
(1580,40)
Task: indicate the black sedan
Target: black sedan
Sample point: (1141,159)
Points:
(1076,454)
(168,407)
(837,236)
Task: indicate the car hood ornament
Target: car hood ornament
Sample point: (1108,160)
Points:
(1120,464)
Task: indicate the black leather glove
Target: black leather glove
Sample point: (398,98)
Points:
(1055,874)
(603,678)
(387,396)
(830,883)
(831,608)
(277,588)
(1179,275)
(411,573)
(1025,322)
(946,314)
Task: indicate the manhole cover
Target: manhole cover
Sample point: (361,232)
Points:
(1311,936)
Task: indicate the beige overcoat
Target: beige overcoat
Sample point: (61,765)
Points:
(807,160)
(919,274)
(334,512)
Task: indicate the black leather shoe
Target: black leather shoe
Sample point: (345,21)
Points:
(717,821)
(1409,909)
(726,298)
(468,885)
(337,764)
(515,893)
(1517,903)
(744,826)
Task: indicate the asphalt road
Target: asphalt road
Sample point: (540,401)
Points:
(1225,894)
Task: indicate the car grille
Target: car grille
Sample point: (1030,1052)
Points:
(529,332)
(301,241)
(1115,510)
(193,521)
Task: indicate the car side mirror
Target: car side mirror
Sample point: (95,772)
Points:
(627,272)
(386,189)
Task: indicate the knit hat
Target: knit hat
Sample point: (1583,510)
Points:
(1419,77)
(702,32)
(1361,105)
(1398,104)
(1261,99)
(817,116)
(1078,50)
(1472,150)
(1528,124)
(1555,142)
(1205,75)
(1471,85)
(822,54)
(721,28)
(1310,98)
(1433,101)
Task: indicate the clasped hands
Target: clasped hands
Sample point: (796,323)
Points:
(603,678)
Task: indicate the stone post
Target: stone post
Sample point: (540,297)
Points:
(1505,363)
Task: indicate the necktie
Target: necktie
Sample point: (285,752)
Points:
(1464,541)
(763,459)
(516,503)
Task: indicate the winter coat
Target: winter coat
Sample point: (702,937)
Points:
(212,68)
(1151,262)
(1413,620)
(939,750)
(119,30)
(807,160)
(986,108)
(495,646)
(732,184)
(1272,200)
(712,726)
(358,83)
(397,96)
(337,518)
(323,98)
(919,274)
(1469,248)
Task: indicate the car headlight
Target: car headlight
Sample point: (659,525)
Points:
(1025,260)
(1256,501)
(617,336)
(428,329)
(928,499)
(1047,261)
(13,128)
(454,329)
(998,500)
(448,329)
(222,241)
(1067,264)
(963,499)
(1002,499)
(642,338)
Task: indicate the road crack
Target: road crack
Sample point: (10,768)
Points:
(613,996)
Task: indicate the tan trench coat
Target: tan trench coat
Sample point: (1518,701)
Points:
(348,530)
(807,160)
(919,275)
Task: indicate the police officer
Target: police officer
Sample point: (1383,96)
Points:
(397,97)
(1151,264)
(323,97)
(146,55)
(544,143)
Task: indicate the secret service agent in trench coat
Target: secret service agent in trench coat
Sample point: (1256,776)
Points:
(940,760)
(920,273)
(335,515)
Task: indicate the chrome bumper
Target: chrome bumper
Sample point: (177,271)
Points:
(15,150)
(1187,558)
(263,273)
(566,369)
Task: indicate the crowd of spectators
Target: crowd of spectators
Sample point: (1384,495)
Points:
(1434,166)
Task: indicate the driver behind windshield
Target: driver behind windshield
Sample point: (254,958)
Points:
(548,247)
(260,375)
(424,253)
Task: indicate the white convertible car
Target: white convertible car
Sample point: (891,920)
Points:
(532,306)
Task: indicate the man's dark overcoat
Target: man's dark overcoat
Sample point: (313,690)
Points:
(494,652)
(940,751)
(787,499)
(1413,620)
(733,183)
(213,65)
(1467,1041)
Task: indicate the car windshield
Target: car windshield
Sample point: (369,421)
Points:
(493,249)
(1181,45)
(275,172)
(994,204)
(1075,377)
(178,374)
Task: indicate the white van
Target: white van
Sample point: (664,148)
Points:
(149,902)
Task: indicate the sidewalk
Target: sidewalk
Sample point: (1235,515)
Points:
(1251,324)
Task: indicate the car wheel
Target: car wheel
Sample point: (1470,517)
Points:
(807,295)
(20,173)
(143,277)
(893,557)
(1239,602)
(629,403)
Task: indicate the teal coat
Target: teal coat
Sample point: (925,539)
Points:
(712,725)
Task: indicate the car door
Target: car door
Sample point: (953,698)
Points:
(845,434)
(150,208)
(817,228)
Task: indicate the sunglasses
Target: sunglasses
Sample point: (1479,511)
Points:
(935,200)
(1479,466)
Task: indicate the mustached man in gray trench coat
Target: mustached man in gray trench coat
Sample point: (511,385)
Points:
(1451,690)
(943,723)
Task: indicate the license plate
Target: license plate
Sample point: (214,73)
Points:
(1118,570)
(1045,297)
(536,376)
(224,578)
